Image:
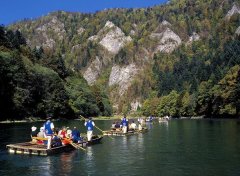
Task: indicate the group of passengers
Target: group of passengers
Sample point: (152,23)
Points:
(54,137)
(124,126)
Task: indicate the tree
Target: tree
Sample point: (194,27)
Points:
(102,100)
(228,93)
(81,98)
(204,98)
(150,107)
(168,104)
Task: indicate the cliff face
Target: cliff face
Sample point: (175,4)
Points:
(124,41)
(112,39)
(122,76)
(48,34)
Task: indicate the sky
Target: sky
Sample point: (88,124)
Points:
(15,10)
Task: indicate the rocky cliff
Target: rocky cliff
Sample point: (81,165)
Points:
(124,41)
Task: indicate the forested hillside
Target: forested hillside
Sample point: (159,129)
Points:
(179,59)
(34,85)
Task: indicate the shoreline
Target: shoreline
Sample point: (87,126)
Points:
(115,117)
(20,121)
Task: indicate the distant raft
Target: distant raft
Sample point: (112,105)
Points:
(31,148)
(120,132)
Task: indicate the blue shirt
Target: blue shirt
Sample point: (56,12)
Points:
(124,122)
(89,124)
(48,128)
(75,133)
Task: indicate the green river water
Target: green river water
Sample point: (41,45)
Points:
(179,147)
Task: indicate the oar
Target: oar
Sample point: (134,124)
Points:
(75,145)
(102,131)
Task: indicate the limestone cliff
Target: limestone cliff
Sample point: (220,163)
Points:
(122,76)
(111,38)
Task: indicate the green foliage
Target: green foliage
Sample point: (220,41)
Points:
(227,92)
(102,100)
(168,104)
(150,107)
(188,81)
(40,85)
(87,101)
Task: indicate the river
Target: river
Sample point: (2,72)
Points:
(179,147)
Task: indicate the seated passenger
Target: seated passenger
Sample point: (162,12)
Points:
(56,141)
(113,125)
(62,133)
(133,126)
(76,138)
(117,125)
(41,134)
(69,133)
(34,132)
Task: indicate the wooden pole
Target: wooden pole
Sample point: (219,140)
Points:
(74,145)
(102,131)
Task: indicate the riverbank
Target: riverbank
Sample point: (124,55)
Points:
(26,120)
(118,117)
(115,117)
(33,119)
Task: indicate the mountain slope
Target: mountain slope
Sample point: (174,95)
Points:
(115,48)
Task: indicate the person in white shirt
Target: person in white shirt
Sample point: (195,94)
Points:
(133,125)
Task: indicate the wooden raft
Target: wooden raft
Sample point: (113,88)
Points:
(36,149)
(95,140)
(120,133)
(31,148)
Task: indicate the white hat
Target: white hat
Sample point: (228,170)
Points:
(34,128)
(41,129)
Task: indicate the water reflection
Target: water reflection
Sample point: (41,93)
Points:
(124,143)
(66,163)
(149,125)
(45,168)
(90,161)
(140,143)
(164,123)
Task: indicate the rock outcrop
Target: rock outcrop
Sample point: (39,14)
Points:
(53,25)
(135,104)
(165,23)
(75,48)
(80,30)
(122,76)
(111,38)
(93,71)
(237,32)
(115,40)
(194,37)
(167,40)
(93,38)
(234,10)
